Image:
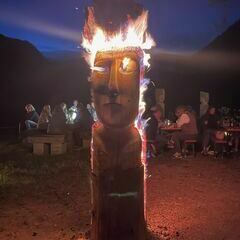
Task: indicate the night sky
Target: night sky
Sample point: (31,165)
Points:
(55,25)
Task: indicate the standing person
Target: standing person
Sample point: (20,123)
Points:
(44,118)
(32,117)
(210,124)
(187,122)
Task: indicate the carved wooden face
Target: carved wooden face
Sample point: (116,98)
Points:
(115,87)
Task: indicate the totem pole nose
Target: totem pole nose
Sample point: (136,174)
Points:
(113,90)
(113,94)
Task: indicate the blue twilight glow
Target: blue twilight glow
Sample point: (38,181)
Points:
(54,25)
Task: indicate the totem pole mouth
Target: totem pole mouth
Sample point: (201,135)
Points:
(113,107)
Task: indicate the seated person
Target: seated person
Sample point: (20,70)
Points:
(210,124)
(32,117)
(234,141)
(153,134)
(187,122)
(63,105)
(57,124)
(44,118)
(92,111)
(83,125)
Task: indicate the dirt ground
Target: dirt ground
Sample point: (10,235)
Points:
(190,199)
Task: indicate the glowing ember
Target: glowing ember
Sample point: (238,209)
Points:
(132,34)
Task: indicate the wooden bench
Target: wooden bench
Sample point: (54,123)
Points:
(192,143)
(48,144)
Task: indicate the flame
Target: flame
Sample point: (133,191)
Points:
(132,34)
(140,123)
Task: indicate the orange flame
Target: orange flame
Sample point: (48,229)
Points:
(133,34)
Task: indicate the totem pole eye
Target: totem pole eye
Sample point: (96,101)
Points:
(125,63)
(128,65)
(101,67)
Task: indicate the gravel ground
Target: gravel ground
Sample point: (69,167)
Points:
(191,199)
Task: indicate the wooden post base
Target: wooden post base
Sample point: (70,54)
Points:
(117,186)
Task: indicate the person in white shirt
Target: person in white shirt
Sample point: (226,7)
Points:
(187,122)
(183,119)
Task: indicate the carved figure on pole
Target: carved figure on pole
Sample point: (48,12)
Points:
(117,61)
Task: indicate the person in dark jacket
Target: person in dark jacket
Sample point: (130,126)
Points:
(83,125)
(155,139)
(45,117)
(210,124)
(57,124)
(32,117)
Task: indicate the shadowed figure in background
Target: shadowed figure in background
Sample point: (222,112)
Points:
(92,111)
(155,139)
(58,121)
(82,125)
(63,105)
(210,124)
(44,118)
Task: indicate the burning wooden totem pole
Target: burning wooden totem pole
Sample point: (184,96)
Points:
(117,169)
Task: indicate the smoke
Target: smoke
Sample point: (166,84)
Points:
(39,26)
(111,14)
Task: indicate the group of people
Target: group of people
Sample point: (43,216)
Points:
(80,119)
(188,127)
(77,117)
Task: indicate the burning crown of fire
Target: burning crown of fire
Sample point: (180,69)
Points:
(132,34)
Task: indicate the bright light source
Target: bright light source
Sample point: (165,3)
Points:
(125,63)
(74,115)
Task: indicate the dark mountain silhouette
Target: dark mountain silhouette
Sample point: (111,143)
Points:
(19,61)
(229,41)
(29,77)
(24,51)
